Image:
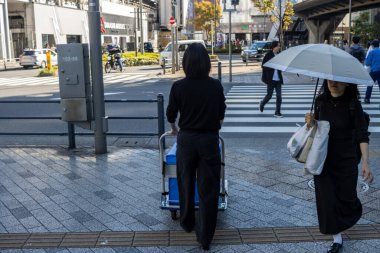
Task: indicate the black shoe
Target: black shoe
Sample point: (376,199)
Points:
(278,115)
(187,229)
(335,248)
(366,101)
(203,245)
(206,247)
(261,106)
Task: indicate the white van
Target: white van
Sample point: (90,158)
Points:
(182,45)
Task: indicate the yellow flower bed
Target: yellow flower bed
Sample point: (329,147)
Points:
(132,60)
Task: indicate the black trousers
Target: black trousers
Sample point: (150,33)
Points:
(198,158)
(275,85)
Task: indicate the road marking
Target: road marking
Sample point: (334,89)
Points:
(243,115)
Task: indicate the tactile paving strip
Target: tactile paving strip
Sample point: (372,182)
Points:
(177,237)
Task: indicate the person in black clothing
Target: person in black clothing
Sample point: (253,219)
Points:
(338,206)
(273,79)
(201,103)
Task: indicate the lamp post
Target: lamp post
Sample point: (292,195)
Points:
(141,29)
(234,3)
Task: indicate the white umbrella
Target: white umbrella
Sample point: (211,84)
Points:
(321,61)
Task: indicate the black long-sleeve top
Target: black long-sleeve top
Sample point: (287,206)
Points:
(347,127)
(200,102)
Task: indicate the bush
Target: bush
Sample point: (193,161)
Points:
(140,60)
(45,72)
(225,50)
(214,57)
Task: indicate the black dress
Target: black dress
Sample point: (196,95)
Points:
(338,206)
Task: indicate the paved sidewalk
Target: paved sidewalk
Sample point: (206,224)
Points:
(49,189)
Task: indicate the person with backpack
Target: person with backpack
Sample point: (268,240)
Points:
(373,62)
(356,50)
(338,206)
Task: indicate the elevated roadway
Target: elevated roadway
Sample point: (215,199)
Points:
(320,15)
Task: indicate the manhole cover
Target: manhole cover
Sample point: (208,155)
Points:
(361,188)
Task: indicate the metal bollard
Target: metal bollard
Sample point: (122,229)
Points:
(161,116)
(164,66)
(71,135)
(246,59)
(220,71)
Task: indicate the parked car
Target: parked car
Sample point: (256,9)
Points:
(182,45)
(256,51)
(37,57)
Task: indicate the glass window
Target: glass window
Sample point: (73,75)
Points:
(48,41)
(73,38)
(168,48)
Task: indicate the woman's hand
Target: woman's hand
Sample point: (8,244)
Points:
(309,119)
(366,173)
(173,130)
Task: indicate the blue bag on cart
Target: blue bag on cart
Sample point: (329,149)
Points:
(173,185)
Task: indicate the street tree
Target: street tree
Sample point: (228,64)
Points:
(281,17)
(363,28)
(205,15)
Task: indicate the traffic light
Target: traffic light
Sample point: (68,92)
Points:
(235,2)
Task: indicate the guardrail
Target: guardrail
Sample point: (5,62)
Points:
(160,117)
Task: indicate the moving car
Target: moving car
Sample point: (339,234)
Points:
(182,45)
(256,51)
(37,57)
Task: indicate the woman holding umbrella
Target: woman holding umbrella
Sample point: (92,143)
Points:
(338,206)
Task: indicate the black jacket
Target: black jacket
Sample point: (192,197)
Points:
(267,76)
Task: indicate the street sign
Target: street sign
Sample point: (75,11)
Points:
(172,21)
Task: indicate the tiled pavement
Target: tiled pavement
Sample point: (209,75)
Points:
(61,192)
(52,196)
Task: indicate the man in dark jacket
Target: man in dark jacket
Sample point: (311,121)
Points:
(273,79)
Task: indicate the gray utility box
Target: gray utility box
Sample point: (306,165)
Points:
(74,82)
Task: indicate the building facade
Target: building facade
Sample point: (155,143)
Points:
(46,23)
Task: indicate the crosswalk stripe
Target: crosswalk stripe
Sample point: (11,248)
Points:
(243,115)
(108,79)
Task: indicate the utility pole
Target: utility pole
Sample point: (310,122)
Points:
(97,77)
(141,29)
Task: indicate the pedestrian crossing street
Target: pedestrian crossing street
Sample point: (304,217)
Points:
(109,78)
(243,115)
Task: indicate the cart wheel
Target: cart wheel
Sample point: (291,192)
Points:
(174,215)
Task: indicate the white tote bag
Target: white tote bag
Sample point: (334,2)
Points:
(300,143)
(318,151)
(309,146)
